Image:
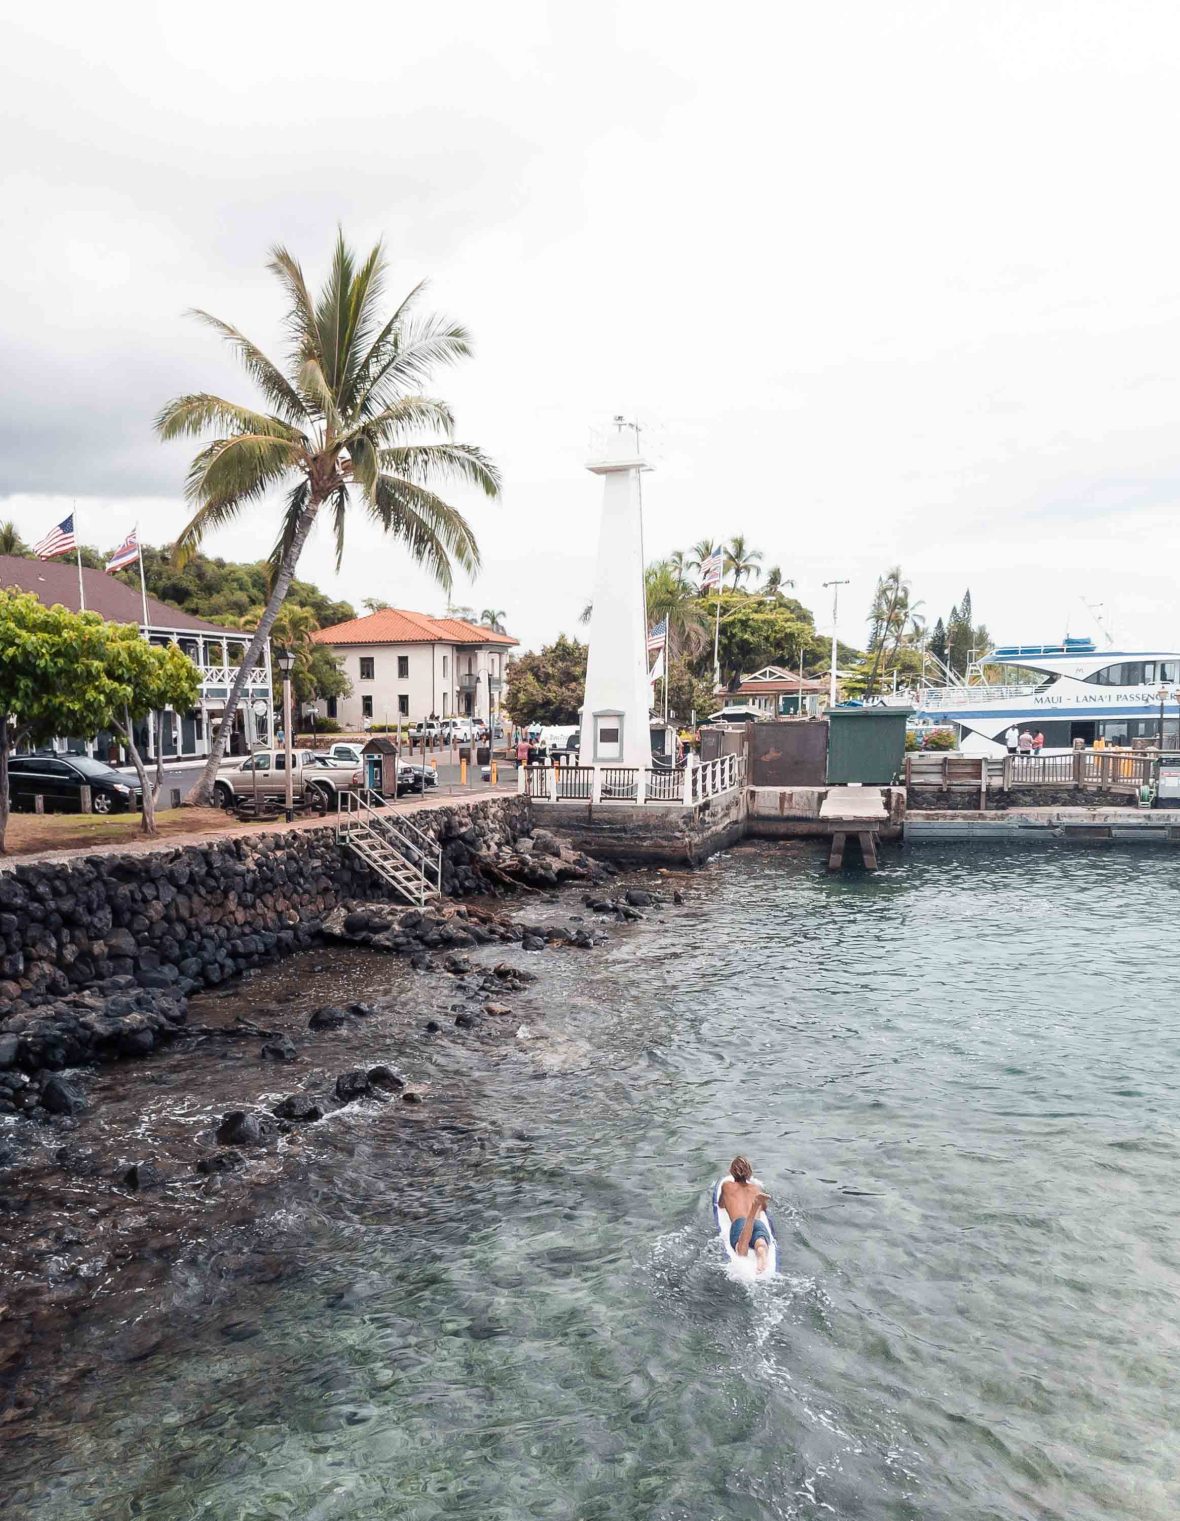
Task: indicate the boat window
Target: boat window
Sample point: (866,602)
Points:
(1169,670)
(1130,673)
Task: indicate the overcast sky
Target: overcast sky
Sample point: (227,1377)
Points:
(882,282)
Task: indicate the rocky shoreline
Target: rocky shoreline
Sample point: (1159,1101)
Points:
(135,1119)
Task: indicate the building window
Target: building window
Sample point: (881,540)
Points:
(366,707)
(446,662)
(403,706)
(403,666)
(446,712)
(366,667)
(331,707)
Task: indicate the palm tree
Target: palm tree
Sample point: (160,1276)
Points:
(343,418)
(702,550)
(741,559)
(888,614)
(375,604)
(670,596)
(494,618)
(11,542)
(774,582)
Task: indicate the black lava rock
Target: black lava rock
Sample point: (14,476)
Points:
(278,1050)
(60,1097)
(238,1128)
(142,1175)
(382,1076)
(327,1018)
(352,1085)
(220,1161)
(298,1106)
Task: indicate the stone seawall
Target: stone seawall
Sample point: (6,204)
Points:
(649,834)
(181,918)
(925,799)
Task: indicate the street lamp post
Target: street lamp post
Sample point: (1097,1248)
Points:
(286,663)
(835,585)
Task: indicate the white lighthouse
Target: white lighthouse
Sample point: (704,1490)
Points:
(616,712)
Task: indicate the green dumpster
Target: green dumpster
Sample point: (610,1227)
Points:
(866,745)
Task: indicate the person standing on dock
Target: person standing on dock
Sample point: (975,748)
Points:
(1012,738)
(1038,742)
(1024,743)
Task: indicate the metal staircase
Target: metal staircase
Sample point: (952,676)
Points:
(396,849)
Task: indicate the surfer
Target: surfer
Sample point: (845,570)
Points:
(743,1201)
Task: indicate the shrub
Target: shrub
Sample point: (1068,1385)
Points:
(328,726)
(940,739)
(912,742)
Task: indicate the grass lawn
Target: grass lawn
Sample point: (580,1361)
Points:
(34,834)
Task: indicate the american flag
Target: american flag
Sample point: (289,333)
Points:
(713,568)
(58,542)
(127,552)
(655,639)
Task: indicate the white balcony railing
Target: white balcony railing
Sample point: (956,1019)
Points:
(226,675)
(683,787)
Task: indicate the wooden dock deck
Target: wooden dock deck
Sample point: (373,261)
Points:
(854,810)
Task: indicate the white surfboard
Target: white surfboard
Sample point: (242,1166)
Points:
(745,1266)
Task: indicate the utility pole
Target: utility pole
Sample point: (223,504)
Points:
(835,585)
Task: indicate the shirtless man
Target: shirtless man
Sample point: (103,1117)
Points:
(743,1202)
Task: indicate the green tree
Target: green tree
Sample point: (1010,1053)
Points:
(774,582)
(547,687)
(374,604)
(341,420)
(888,618)
(53,678)
(11,542)
(755,633)
(937,641)
(141,680)
(740,560)
(493,618)
(671,596)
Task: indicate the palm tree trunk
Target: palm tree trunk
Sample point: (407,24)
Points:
(202,793)
(872,682)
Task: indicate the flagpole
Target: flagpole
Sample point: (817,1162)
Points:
(142,582)
(78,552)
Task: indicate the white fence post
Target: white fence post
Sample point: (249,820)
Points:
(641,784)
(551,776)
(688,781)
(522,779)
(596,785)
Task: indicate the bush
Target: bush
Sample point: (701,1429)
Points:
(328,726)
(387,728)
(940,739)
(912,742)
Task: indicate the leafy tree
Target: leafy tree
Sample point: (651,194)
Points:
(224,591)
(888,618)
(143,679)
(755,633)
(52,678)
(688,693)
(11,542)
(671,596)
(702,550)
(341,421)
(547,687)
(374,604)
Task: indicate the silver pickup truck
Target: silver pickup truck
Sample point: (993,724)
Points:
(265,774)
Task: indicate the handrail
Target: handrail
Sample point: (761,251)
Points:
(429,852)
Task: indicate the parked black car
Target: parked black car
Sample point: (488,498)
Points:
(59,779)
(415,778)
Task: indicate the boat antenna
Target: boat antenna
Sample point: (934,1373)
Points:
(1095,611)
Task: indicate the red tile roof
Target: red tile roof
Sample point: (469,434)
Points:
(774,688)
(55,582)
(395,625)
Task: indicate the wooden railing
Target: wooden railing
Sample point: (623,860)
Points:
(1104,770)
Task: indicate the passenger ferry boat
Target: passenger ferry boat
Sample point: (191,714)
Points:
(1079,693)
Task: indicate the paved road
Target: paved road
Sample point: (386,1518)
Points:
(183,775)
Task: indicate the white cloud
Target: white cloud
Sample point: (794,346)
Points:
(884,283)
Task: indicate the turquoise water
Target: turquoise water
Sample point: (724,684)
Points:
(959,1079)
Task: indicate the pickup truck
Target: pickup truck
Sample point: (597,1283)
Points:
(265,773)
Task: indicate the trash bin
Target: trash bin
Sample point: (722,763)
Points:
(866,745)
(483,755)
(465,753)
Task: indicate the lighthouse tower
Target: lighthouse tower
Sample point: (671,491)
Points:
(616,711)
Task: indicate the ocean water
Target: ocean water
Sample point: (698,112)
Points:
(959,1079)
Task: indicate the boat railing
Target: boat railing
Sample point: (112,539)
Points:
(935,698)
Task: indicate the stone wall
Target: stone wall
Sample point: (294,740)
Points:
(925,799)
(190,916)
(629,833)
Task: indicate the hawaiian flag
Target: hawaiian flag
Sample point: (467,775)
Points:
(58,542)
(127,552)
(657,636)
(713,568)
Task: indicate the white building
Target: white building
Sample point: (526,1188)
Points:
(216,652)
(410,666)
